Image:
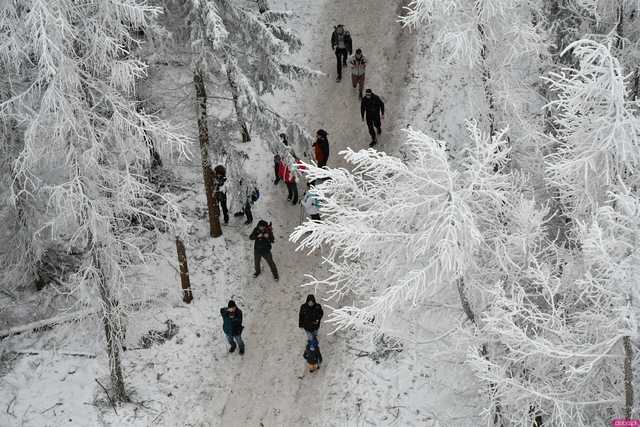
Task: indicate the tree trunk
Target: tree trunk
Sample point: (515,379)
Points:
(235,94)
(620,26)
(113,328)
(155,160)
(263,6)
(184,271)
(486,74)
(207,174)
(628,377)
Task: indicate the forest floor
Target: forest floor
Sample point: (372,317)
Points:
(191,379)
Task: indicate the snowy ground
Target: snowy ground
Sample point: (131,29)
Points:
(191,379)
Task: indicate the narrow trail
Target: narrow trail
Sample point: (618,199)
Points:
(270,386)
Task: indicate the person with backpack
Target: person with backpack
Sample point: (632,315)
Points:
(309,317)
(321,148)
(312,355)
(373,106)
(232,325)
(221,190)
(341,43)
(358,67)
(263,237)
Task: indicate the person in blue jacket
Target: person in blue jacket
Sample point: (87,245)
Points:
(232,325)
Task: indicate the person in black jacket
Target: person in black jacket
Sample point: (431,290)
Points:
(321,148)
(263,236)
(232,325)
(310,315)
(342,44)
(312,355)
(221,190)
(373,106)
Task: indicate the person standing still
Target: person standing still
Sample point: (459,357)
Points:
(373,106)
(263,236)
(285,173)
(309,318)
(321,148)
(221,190)
(358,67)
(232,325)
(341,43)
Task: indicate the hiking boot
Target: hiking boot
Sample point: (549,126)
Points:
(232,349)
(256,274)
(276,278)
(372,143)
(338,79)
(379,131)
(241,351)
(247,222)
(226,221)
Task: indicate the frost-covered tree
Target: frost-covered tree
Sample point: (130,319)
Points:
(597,138)
(248,49)
(68,80)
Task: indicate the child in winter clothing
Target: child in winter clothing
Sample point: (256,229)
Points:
(312,355)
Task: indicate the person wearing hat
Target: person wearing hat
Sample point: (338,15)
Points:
(358,66)
(263,237)
(312,355)
(232,325)
(342,45)
(373,106)
(321,147)
(310,316)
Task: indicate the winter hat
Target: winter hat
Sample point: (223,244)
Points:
(358,50)
(313,343)
(310,297)
(368,91)
(262,223)
(231,304)
(322,133)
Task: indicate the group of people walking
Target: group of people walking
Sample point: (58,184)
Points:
(286,170)
(371,105)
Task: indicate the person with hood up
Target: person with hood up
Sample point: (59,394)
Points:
(221,190)
(321,147)
(263,236)
(342,44)
(312,355)
(373,106)
(309,318)
(232,325)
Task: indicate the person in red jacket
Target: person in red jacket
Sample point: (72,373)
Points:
(284,172)
(321,147)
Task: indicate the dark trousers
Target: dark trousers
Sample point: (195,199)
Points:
(233,339)
(373,121)
(222,199)
(322,163)
(315,217)
(275,171)
(293,192)
(272,265)
(358,81)
(341,56)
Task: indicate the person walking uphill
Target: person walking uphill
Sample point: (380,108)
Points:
(321,147)
(373,106)
(358,67)
(342,45)
(309,318)
(232,325)
(263,236)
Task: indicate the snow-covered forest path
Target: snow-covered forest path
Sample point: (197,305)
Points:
(270,386)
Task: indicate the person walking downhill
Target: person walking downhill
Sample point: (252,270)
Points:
(373,106)
(341,43)
(221,190)
(312,355)
(309,318)
(232,325)
(284,172)
(321,148)
(263,236)
(358,67)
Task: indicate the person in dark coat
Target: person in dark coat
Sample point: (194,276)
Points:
(221,190)
(232,325)
(342,44)
(321,147)
(263,236)
(310,315)
(373,106)
(312,355)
